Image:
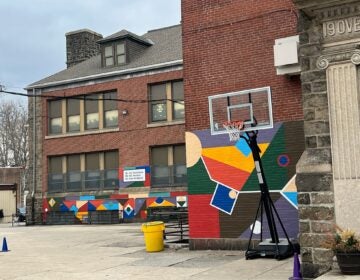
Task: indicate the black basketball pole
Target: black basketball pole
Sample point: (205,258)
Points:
(265,204)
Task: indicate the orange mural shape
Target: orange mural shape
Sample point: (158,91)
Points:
(225,174)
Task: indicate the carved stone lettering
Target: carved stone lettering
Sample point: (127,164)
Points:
(341,27)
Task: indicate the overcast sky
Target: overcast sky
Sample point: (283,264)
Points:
(32,32)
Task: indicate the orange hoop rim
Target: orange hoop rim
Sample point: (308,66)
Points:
(234,124)
(234,129)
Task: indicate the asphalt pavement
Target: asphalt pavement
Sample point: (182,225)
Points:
(118,252)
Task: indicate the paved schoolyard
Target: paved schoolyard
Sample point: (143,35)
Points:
(117,252)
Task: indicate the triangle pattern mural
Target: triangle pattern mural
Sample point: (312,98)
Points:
(163,202)
(289,192)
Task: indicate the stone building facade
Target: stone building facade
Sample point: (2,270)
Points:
(328,171)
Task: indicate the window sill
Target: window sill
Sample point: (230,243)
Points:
(165,123)
(82,133)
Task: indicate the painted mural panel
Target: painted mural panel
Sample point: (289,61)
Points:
(204,220)
(222,177)
(128,206)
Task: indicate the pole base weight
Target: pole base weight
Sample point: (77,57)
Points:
(268,249)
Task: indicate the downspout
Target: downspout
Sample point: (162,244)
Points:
(34,159)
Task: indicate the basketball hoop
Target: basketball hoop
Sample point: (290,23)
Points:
(234,129)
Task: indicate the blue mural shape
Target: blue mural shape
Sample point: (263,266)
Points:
(283,160)
(292,197)
(243,147)
(87,197)
(224,199)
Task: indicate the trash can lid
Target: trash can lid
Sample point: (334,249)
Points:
(156,223)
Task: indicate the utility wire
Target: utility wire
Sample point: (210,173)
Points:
(87,98)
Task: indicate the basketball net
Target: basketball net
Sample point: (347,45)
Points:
(234,129)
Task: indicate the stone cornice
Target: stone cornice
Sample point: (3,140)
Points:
(336,12)
(313,7)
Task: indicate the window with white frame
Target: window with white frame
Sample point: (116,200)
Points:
(114,54)
(120,53)
(166,102)
(109,55)
(158,104)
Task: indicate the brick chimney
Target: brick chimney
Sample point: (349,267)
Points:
(81,45)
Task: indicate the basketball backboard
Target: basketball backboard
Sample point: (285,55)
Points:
(252,106)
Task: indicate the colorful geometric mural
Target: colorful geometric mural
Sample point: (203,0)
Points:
(129,206)
(225,170)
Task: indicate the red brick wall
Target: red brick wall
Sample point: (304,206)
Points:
(228,46)
(133,139)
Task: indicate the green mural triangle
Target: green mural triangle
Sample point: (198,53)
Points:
(252,184)
(181,203)
(275,175)
(198,180)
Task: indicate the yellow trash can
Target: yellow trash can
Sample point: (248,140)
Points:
(154,236)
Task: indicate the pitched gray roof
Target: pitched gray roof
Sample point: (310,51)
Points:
(126,34)
(167,47)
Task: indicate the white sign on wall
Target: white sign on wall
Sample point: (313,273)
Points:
(134,175)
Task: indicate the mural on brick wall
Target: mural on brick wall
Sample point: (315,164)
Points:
(128,206)
(223,186)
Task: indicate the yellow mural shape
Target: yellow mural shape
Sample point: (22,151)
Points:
(101,207)
(52,202)
(80,215)
(230,155)
(193,149)
(164,203)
